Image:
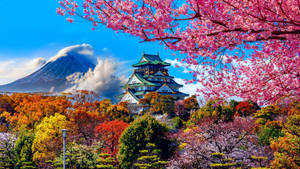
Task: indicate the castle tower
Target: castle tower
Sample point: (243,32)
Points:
(150,74)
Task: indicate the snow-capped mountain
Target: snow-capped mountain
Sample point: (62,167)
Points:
(53,75)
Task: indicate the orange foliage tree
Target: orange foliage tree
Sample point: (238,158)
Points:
(110,132)
(191,103)
(84,115)
(31,108)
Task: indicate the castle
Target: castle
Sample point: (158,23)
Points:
(150,74)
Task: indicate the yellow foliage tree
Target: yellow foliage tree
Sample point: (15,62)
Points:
(48,139)
(287,148)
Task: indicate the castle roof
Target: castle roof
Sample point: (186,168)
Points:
(151,60)
(137,80)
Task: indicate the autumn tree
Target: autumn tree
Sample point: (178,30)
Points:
(245,108)
(6,104)
(7,109)
(119,112)
(32,108)
(110,132)
(216,109)
(245,48)
(184,108)
(191,103)
(86,112)
(150,102)
(286,148)
(48,139)
(155,103)
(167,105)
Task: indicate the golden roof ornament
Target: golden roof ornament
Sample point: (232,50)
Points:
(165,84)
(127,88)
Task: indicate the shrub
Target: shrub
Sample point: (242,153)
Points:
(77,156)
(142,131)
(177,122)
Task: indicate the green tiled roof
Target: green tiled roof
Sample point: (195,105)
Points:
(139,93)
(174,84)
(141,78)
(175,94)
(151,59)
(153,76)
(171,84)
(151,63)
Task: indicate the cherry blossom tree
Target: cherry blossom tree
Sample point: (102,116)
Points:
(231,144)
(245,48)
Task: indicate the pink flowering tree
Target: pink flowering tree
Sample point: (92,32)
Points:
(247,48)
(224,144)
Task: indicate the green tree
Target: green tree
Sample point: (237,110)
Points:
(78,156)
(23,150)
(142,131)
(269,131)
(149,158)
(106,161)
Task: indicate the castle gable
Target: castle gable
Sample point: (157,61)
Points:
(164,89)
(159,73)
(129,97)
(134,80)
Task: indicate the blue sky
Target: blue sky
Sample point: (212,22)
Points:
(31,29)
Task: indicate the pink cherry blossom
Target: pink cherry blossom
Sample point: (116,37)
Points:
(70,20)
(205,30)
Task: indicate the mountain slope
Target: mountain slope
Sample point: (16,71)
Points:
(52,76)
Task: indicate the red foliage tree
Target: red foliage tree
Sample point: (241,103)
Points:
(245,109)
(110,132)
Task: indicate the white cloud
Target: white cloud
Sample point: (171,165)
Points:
(14,69)
(85,50)
(188,68)
(102,79)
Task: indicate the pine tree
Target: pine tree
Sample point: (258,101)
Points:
(106,161)
(149,158)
